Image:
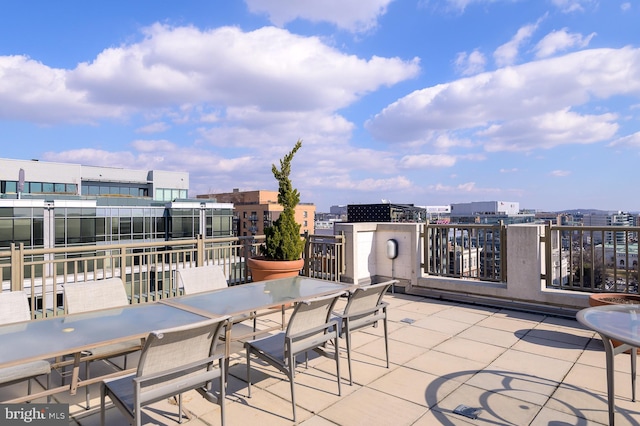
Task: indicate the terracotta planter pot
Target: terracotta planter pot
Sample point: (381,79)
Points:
(600,299)
(263,269)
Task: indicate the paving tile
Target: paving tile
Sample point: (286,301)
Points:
(399,352)
(547,417)
(415,386)
(530,317)
(518,326)
(418,336)
(494,408)
(532,364)
(462,315)
(315,389)
(263,408)
(470,349)
(443,325)
(549,348)
(592,406)
(367,407)
(595,378)
(435,417)
(446,366)
(558,335)
(491,336)
(419,307)
(524,387)
(365,368)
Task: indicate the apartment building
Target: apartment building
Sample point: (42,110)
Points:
(257,210)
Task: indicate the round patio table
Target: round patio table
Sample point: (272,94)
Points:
(615,322)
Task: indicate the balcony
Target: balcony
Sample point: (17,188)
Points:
(519,368)
(510,347)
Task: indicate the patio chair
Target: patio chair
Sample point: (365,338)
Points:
(172,361)
(91,296)
(14,307)
(364,309)
(201,278)
(208,278)
(310,328)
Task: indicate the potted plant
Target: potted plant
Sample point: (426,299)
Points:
(283,246)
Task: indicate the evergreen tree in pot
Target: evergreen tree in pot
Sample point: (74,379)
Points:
(283,245)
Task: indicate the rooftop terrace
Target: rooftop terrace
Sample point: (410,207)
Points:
(518,368)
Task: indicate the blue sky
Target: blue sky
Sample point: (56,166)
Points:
(413,101)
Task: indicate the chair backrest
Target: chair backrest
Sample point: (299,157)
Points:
(201,278)
(308,320)
(178,357)
(93,295)
(14,307)
(365,298)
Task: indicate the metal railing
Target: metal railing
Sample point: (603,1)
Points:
(591,258)
(146,268)
(469,251)
(324,257)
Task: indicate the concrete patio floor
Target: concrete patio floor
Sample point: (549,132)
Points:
(517,368)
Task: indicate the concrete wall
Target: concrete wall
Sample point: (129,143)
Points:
(366,251)
(366,260)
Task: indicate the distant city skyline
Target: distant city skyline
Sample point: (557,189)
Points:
(416,102)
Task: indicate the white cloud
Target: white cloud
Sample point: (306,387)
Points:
(507,53)
(568,6)
(629,141)
(351,15)
(548,130)
(533,105)
(426,160)
(153,145)
(32,91)
(156,127)
(374,185)
(560,173)
(264,90)
(472,63)
(469,187)
(446,142)
(269,69)
(625,6)
(558,41)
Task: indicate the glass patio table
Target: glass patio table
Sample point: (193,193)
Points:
(619,323)
(245,298)
(71,334)
(257,296)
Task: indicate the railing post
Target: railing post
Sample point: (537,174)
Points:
(548,258)
(503,252)
(246,248)
(306,255)
(17,267)
(200,250)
